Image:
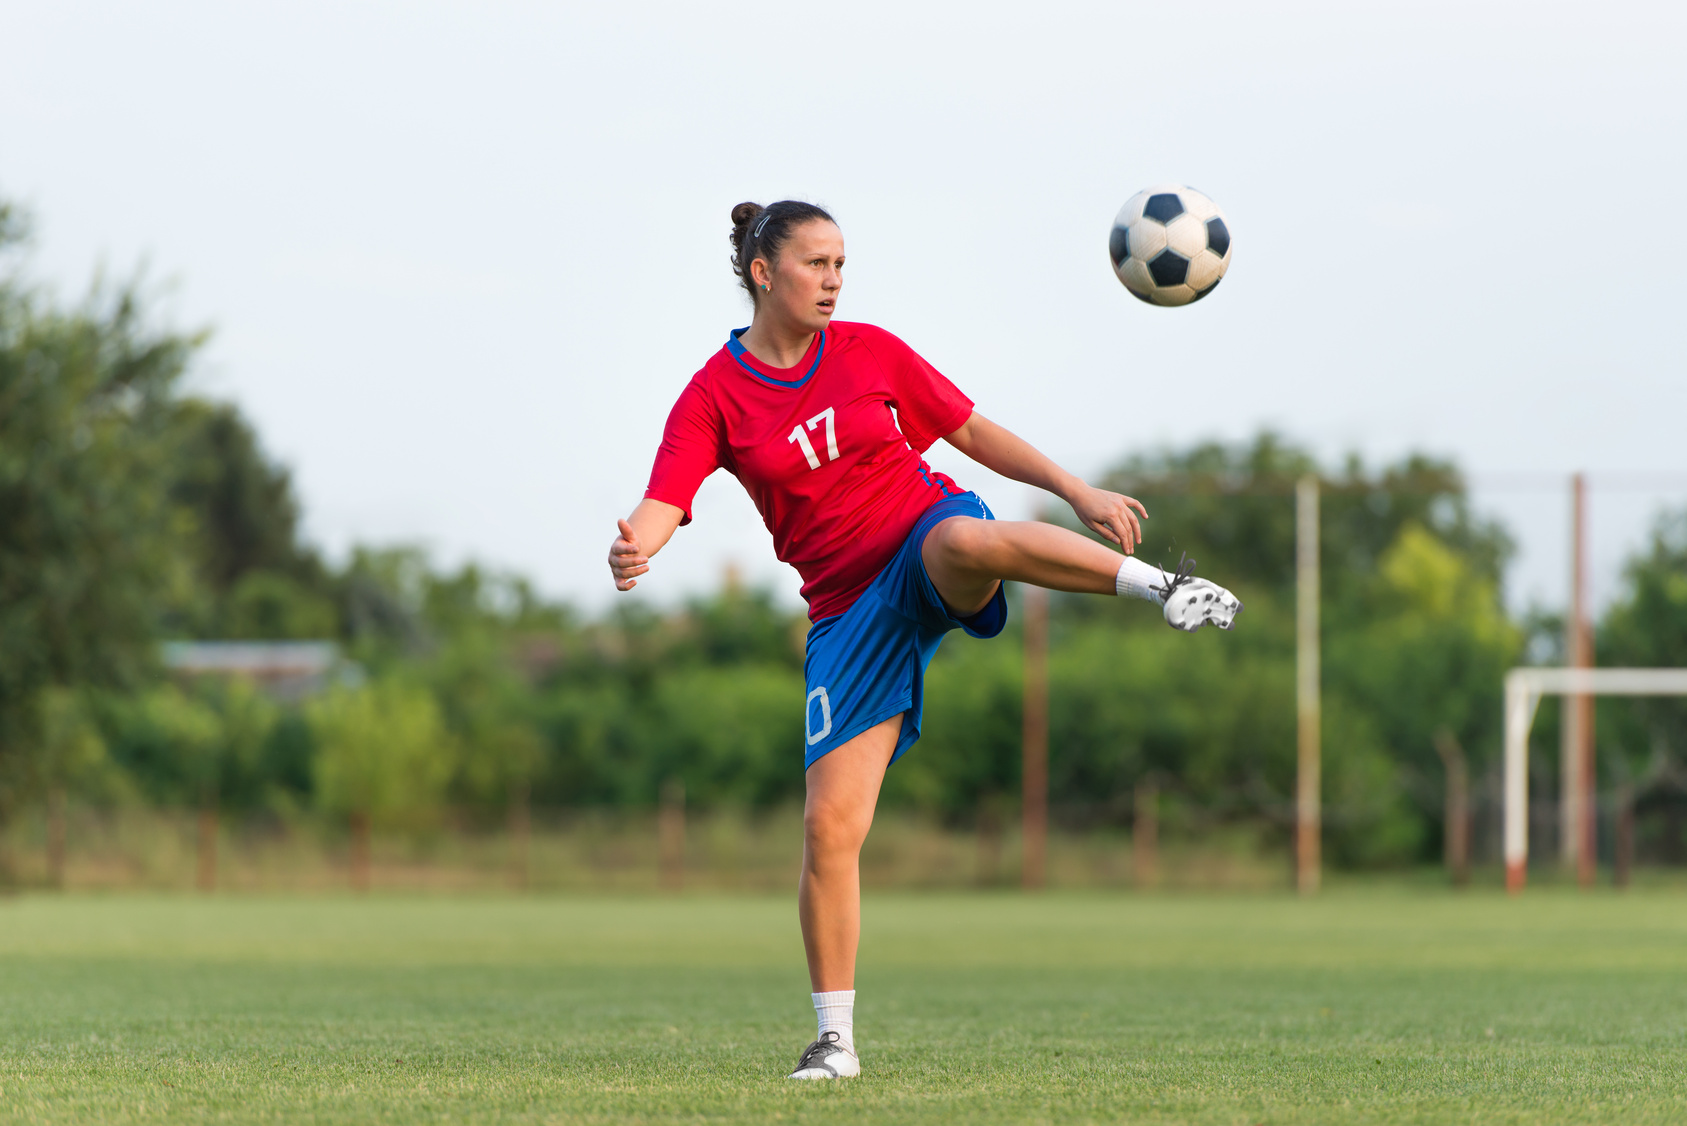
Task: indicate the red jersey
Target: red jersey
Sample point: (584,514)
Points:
(837,481)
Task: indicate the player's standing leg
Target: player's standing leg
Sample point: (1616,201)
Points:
(843,789)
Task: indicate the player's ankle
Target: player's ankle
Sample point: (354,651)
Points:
(1137,579)
(835,1012)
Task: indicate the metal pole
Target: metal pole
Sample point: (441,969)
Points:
(1035,771)
(1518,712)
(1574,811)
(1307,813)
(1587,854)
(1569,770)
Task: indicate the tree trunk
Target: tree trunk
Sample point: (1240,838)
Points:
(360,852)
(1034,778)
(55,836)
(1624,851)
(1456,846)
(521,833)
(670,832)
(207,880)
(989,841)
(1145,833)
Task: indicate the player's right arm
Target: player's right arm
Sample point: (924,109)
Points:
(642,535)
(690,451)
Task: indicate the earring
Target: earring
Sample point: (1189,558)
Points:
(764,287)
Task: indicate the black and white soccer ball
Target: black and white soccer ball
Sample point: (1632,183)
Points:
(1170,245)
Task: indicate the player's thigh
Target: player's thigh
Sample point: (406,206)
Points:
(959,558)
(843,785)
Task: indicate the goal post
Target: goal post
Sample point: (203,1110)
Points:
(1524,688)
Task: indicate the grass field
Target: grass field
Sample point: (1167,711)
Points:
(1363,1006)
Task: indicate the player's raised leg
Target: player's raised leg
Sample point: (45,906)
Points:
(967,558)
(843,789)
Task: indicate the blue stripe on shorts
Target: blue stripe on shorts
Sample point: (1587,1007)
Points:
(868,663)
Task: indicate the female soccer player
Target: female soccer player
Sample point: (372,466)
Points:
(824,422)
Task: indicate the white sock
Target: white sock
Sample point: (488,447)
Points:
(836,1011)
(1134,579)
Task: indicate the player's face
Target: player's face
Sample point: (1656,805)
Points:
(805,283)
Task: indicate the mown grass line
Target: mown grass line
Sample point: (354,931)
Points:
(1361,1007)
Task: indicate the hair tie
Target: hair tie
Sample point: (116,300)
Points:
(765,216)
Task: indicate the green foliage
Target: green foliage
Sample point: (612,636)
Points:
(171,742)
(127,512)
(72,749)
(382,609)
(236,522)
(1232,508)
(277,607)
(86,537)
(14,226)
(1416,643)
(382,751)
(244,515)
(969,749)
(732,735)
(499,761)
(1432,649)
(1423,652)
(1647,628)
(210,745)
(130,512)
(83,400)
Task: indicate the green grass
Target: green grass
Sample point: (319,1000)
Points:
(1363,1006)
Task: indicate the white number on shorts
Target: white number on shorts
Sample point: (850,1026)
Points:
(825,717)
(801,439)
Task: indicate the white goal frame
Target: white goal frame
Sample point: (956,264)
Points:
(1524,688)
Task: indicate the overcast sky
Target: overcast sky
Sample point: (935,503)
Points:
(461,258)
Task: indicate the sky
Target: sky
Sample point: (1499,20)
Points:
(459,259)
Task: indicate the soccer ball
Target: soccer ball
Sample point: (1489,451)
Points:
(1170,245)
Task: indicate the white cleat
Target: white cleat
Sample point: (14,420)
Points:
(827,1058)
(1191,603)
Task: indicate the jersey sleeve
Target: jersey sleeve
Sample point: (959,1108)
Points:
(928,406)
(690,450)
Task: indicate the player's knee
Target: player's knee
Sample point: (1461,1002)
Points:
(830,829)
(960,540)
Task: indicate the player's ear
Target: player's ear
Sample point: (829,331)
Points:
(760,273)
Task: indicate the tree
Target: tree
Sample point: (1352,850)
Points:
(1421,654)
(1232,508)
(72,755)
(383,757)
(244,510)
(274,606)
(88,540)
(1643,742)
(1415,632)
(239,519)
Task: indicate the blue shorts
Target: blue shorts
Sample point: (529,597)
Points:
(868,663)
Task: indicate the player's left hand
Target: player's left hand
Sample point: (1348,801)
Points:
(1110,515)
(626,559)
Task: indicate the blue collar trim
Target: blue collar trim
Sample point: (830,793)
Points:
(736,347)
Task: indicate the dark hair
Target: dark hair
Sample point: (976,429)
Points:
(760,232)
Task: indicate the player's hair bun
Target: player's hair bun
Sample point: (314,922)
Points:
(742,216)
(744,212)
(760,232)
